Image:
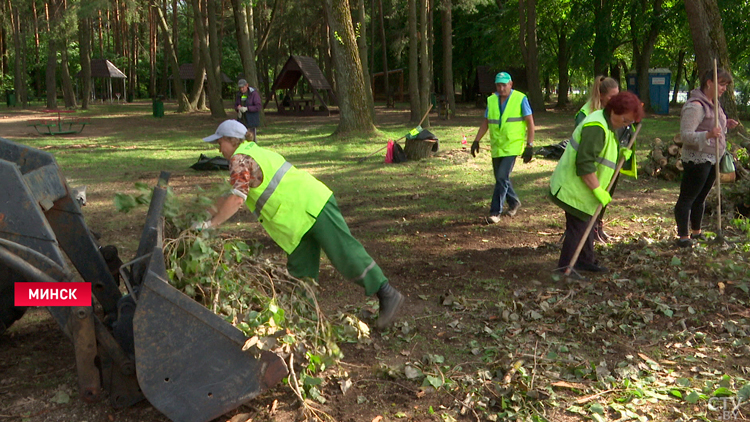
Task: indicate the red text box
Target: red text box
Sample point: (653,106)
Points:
(52,294)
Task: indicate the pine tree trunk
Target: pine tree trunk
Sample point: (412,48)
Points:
(362,45)
(355,116)
(424,62)
(84,45)
(69,95)
(18,46)
(213,72)
(51,80)
(182,102)
(414,96)
(250,16)
(448,85)
(246,41)
(384,47)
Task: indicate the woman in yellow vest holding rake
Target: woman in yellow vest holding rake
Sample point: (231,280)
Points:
(578,184)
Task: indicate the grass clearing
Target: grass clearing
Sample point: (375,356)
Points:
(487,333)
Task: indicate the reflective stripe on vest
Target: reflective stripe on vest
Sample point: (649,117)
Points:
(268,191)
(570,188)
(507,131)
(288,203)
(601,160)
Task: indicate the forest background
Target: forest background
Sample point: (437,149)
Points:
(549,46)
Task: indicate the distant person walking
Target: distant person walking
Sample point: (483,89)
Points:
(247,104)
(699,135)
(510,121)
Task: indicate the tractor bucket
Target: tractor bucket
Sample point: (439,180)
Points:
(189,361)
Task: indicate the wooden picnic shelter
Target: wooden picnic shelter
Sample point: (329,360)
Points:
(104,69)
(296,68)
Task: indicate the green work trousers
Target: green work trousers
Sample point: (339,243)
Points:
(347,255)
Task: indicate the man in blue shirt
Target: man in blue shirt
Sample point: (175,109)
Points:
(510,121)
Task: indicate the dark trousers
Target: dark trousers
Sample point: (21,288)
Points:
(574,228)
(502,166)
(697,180)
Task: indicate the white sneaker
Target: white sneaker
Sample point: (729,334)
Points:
(494,219)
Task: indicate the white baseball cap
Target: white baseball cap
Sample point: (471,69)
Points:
(231,128)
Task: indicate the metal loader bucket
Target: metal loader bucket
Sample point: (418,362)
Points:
(189,361)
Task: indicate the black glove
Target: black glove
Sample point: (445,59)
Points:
(474,148)
(527,153)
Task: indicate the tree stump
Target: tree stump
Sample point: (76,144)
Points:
(417,149)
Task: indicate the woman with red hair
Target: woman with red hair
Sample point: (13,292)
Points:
(578,184)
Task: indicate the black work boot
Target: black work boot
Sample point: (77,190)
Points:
(390,303)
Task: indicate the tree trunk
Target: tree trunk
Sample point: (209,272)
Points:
(51,80)
(245,41)
(448,85)
(253,62)
(152,44)
(213,72)
(527,16)
(424,62)
(384,47)
(182,102)
(69,95)
(84,45)
(414,96)
(18,67)
(642,51)
(355,116)
(709,43)
(362,45)
(563,60)
(678,76)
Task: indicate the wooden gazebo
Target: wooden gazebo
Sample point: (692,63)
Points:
(104,69)
(296,68)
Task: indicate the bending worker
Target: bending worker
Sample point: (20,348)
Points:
(510,121)
(579,183)
(300,214)
(602,90)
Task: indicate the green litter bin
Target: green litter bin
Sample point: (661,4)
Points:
(158,107)
(10,98)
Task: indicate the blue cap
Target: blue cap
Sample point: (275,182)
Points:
(502,78)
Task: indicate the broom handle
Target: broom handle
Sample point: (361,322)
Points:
(593,218)
(718,170)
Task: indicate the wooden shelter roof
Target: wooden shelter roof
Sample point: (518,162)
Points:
(295,68)
(103,68)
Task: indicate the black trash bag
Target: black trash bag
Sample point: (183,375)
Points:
(399,156)
(207,164)
(553,152)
